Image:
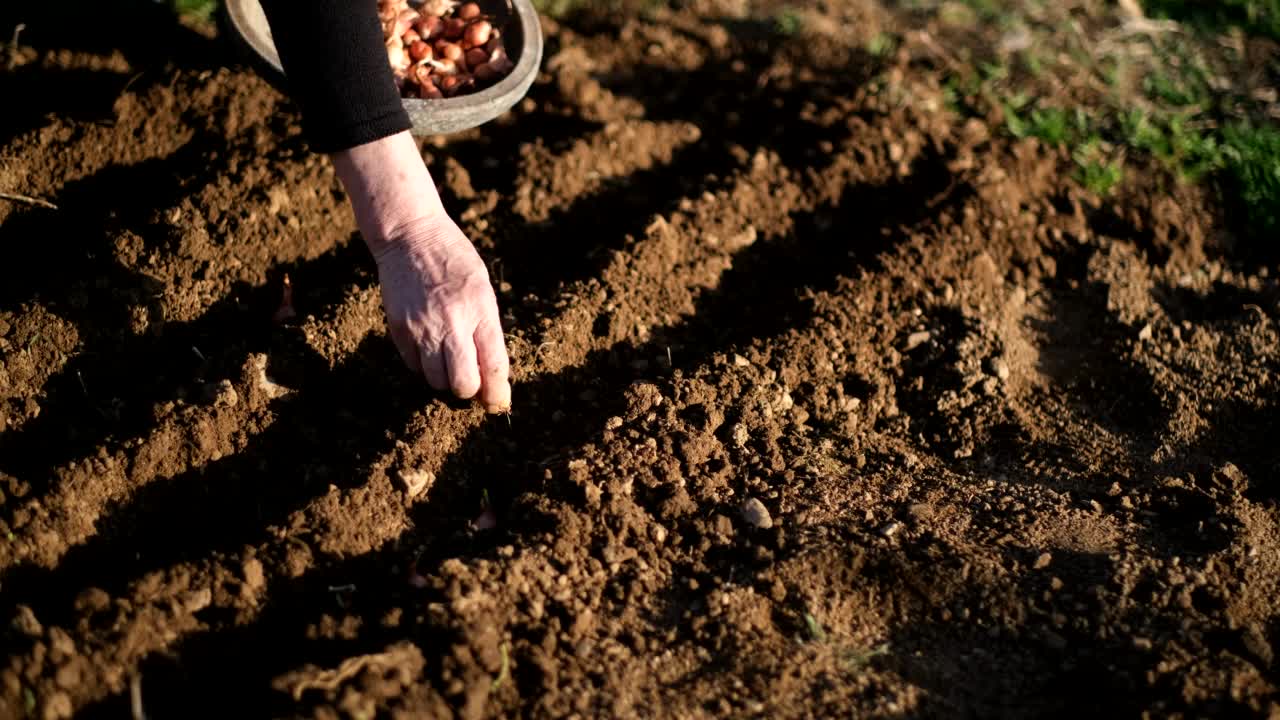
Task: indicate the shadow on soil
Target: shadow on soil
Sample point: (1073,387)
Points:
(768,277)
(146,34)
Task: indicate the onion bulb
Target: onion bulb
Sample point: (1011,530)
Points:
(475,57)
(419,51)
(477,33)
(429,27)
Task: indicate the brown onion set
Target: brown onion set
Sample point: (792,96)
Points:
(442,48)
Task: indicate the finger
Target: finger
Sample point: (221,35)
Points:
(460,361)
(495,367)
(433,368)
(408,349)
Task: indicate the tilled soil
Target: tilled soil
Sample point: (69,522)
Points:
(828,402)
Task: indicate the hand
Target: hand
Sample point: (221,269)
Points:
(441,309)
(442,312)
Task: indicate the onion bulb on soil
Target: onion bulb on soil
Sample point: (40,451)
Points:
(285,311)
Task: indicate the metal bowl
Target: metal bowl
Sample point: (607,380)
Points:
(246,24)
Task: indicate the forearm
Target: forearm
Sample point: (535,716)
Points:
(390,189)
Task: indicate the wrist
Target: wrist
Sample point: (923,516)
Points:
(434,243)
(390,190)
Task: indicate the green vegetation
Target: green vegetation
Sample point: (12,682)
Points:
(857,658)
(1115,93)
(882,45)
(853,658)
(788,21)
(1252,158)
(558,8)
(196,9)
(1097,176)
(1256,17)
(816,633)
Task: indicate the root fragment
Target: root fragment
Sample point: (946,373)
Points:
(405,659)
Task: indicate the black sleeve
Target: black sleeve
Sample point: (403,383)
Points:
(336,68)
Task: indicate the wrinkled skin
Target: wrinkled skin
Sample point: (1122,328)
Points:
(440,305)
(442,311)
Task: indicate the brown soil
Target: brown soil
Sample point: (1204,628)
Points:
(1018,445)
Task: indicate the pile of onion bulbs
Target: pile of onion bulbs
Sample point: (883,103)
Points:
(442,48)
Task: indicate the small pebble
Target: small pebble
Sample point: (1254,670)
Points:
(756,514)
(916,339)
(1043,561)
(1000,368)
(658,533)
(416,482)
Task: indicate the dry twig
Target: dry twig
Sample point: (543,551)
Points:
(135,697)
(28,200)
(13,46)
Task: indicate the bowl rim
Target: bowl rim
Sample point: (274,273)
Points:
(502,94)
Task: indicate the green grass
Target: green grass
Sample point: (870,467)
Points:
(1190,151)
(1167,97)
(195,9)
(1052,125)
(1256,17)
(816,632)
(558,8)
(882,45)
(1251,156)
(857,658)
(788,22)
(1098,177)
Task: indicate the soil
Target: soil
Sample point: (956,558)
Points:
(828,402)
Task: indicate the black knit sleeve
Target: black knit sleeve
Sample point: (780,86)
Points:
(336,69)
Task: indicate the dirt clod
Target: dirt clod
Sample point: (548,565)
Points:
(24,621)
(254,575)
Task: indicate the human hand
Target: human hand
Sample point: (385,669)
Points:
(442,311)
